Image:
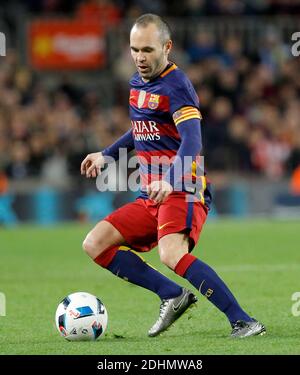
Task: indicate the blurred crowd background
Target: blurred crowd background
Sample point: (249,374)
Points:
(236,53)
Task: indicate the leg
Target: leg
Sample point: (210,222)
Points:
(177,239)
(173,250)
(106,246)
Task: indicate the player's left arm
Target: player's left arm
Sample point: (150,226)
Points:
(188,125)
(191,146)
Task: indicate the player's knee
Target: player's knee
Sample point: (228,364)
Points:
(91,246)
(172,248)
(167,258)
(86,245)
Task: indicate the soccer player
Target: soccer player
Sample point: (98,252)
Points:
(171,208)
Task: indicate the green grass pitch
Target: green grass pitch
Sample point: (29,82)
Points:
(258,259)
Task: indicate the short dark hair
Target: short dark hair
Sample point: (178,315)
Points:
(162,26)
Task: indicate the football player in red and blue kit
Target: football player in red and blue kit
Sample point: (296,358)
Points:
(175,193)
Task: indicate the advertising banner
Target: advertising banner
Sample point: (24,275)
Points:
(66,44)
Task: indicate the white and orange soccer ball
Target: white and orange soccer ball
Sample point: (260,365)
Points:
(81,316)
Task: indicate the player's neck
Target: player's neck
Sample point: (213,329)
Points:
(164,67)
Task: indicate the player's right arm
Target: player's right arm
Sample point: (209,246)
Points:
(94,162)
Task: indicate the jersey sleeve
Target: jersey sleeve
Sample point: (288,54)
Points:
(126,141)
(182,94)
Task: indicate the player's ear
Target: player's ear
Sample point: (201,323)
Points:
(168,46)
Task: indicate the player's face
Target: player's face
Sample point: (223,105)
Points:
(150,55)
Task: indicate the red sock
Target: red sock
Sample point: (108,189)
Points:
(105,258)
(184,264)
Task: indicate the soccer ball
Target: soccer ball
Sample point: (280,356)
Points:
(81,317)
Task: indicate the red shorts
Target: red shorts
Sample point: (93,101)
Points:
(143,222)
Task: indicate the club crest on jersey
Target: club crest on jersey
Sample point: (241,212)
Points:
(141,98)
(153,101)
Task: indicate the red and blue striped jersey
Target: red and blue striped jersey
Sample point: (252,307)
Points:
(156,108)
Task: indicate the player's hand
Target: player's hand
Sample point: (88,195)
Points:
(159,190)
(92,164)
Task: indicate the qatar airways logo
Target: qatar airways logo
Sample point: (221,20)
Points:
(145,130)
